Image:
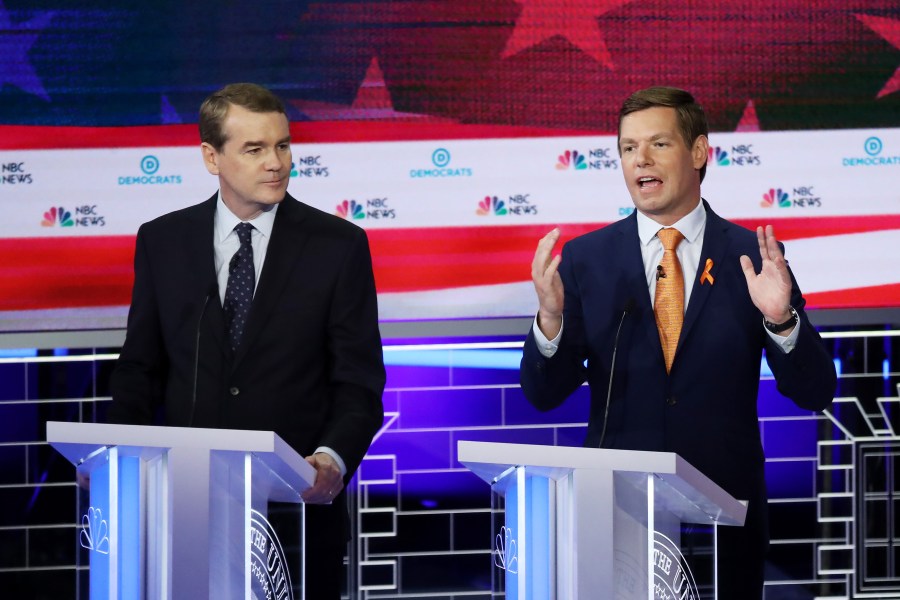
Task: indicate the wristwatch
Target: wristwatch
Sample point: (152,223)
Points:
(779,327)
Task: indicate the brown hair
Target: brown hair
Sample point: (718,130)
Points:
(691,118)
(254,98)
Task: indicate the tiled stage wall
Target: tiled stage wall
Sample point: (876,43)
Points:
(424,518)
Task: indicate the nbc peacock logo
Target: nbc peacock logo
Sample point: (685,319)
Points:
(57,216)
(350,209)
(719,156)
(491,205)
(571,159)
(775,197)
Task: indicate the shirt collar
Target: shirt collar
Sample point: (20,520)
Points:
(690,225)
(225,220)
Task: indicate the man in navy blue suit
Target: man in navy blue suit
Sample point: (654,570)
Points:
(696,395)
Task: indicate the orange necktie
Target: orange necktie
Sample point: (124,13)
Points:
(669,301)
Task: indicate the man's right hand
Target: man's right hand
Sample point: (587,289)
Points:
(548,285)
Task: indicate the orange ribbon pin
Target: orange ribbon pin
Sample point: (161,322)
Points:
(706,275)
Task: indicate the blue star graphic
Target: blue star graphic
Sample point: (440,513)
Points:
(15,42)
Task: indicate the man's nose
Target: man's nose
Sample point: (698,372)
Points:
(273,161)
(642,156)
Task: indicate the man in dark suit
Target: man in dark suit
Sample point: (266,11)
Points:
(267,326)
(693,389)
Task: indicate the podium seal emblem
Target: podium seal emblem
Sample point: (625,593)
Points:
(269,576)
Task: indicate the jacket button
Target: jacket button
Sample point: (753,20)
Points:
(234,391)
(672,401)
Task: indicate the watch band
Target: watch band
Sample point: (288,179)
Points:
(779,327)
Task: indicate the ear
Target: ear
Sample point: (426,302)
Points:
(700,151)
(210,158)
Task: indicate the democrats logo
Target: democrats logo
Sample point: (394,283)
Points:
(269,575)
(85,216)
(513,205)
(309,167)
(150,175)
(800,197)
(440,160)
(15,173)
(739,155)
(596,159)
(872,155)
(373,208)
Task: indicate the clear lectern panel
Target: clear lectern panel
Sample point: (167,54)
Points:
(250,525)
(654,524)
(535,525)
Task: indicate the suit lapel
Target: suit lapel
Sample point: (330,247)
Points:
(715,243)
(201,260)
(629,248)
(287,241)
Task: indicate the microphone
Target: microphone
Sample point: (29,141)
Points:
(630,305)
(660,272)
(213,290)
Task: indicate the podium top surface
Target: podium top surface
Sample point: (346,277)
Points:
(77,441)
(491,461)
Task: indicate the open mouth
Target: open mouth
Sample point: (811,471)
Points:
(648,182)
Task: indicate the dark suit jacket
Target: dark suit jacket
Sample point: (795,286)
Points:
(706,408)
(310,363)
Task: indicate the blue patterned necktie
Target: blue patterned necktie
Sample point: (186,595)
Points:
(239,291)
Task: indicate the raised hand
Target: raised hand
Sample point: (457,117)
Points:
(548,285)
(770,289)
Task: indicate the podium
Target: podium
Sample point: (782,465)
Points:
(177,512)
(579,523)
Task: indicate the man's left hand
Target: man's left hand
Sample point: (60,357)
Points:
(329,482)
(770,289)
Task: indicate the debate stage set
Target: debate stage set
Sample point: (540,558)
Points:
(456,133)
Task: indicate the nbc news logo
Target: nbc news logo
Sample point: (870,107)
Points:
(598,159)
(803,197)
(374,208)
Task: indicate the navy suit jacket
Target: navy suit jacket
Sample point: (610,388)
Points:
(706,408)
(310,364)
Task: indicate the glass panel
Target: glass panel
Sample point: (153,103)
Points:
(256,522)
(683,552)
(275,536)
(630,527)
(227,537)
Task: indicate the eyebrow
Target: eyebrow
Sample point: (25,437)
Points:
(652,138)
(252,143)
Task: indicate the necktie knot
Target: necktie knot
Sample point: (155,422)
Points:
(670,238)
(244,231)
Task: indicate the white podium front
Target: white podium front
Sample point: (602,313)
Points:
(180,512)
(584,523)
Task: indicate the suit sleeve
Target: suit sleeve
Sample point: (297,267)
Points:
(356,364)
(547,382)
(807,374)
(137,380)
